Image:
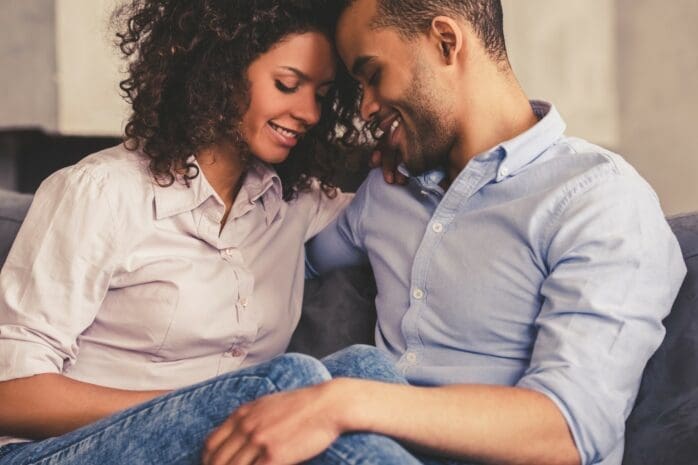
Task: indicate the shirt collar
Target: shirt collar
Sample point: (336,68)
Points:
(515,153)
(261,183)
(526,147)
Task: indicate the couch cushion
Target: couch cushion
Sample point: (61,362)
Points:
(663,427)
(13,208)
(338,311)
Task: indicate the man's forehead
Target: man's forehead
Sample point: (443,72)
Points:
(354,32)
(355,21)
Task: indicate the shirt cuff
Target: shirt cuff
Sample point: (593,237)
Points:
(21,359)
(595,427)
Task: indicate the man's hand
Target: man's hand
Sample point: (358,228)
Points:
(279,429)
(388,158)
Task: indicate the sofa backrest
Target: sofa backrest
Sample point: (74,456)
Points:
(13,209)
(663,426)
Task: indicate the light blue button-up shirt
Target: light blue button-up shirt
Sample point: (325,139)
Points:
(547,264)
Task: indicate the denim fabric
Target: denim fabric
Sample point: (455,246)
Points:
(171,429)
(368,362)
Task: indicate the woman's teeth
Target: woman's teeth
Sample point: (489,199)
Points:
(283,131)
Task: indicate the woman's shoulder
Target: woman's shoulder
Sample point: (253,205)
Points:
(115,164)
(115,169)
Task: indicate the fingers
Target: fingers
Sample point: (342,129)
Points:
(388,160)
(216,439)
(375,160)
(237,452)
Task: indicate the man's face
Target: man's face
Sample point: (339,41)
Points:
(401,91)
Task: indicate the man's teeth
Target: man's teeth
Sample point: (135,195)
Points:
(284,132)
(394,126)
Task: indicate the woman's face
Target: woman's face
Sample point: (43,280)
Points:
(287,85)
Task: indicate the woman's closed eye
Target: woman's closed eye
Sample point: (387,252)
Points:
(287,88)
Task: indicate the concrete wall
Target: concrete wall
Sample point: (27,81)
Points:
(28,64)
(658,90)
(624,74)
(564,52)
(88,69)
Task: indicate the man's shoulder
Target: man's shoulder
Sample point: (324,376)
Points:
(580,165)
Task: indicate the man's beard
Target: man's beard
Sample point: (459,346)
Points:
(429,141)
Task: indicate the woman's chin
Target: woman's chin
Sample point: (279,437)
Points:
(272,155)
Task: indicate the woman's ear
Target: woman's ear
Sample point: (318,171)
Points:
(448,35)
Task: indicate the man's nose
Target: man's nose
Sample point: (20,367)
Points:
(369,105)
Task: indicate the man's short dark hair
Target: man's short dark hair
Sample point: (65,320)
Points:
(412,17)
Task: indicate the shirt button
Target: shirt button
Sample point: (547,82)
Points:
(437,227)
(244,302)
(411,357)
(504,172)
(228,252)
(418,294)
(236,352)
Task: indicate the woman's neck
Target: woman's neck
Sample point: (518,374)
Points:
(224,170)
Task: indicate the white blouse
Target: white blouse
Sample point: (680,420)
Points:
(116,281)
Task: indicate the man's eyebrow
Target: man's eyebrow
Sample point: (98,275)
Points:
(303,76)
(359,64)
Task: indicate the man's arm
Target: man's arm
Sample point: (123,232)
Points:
(491,424)
(340,244)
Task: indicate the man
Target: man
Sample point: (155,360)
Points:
(522,275)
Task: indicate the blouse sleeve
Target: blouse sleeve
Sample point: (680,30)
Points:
(57,274)
(325,209)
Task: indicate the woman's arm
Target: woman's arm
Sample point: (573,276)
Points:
(51,289)
(50,404)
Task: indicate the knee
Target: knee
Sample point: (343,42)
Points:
(362,361)
(294,371)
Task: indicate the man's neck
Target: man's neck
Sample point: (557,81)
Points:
(492,114)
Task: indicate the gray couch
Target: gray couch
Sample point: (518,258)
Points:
(663,427)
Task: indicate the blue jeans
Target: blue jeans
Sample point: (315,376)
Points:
(171,429)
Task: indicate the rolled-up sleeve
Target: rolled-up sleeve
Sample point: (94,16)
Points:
(56,275)
(615,268)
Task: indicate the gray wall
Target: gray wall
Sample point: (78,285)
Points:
(28,64)
(624,74)
(658,89)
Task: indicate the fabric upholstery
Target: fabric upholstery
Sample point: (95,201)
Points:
(663,427)
(339,311)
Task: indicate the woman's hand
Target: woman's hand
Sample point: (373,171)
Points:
(279,429)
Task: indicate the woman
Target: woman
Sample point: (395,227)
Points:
(177,257)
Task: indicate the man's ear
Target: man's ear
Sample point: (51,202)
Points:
(448,36)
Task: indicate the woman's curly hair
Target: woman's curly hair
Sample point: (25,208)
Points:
(187,85)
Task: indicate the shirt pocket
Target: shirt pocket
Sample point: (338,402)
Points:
(137,317)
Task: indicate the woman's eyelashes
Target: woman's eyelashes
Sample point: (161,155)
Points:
(286,89)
